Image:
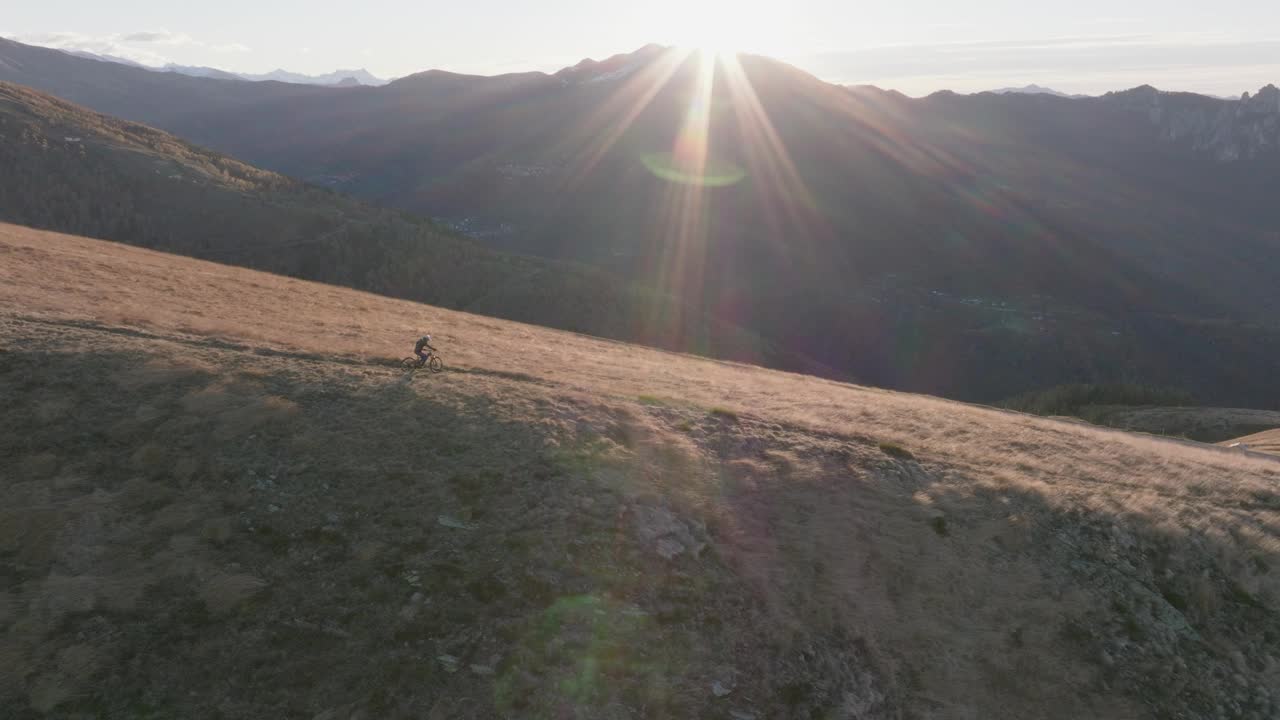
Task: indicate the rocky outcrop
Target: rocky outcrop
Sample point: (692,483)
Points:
(1229,130)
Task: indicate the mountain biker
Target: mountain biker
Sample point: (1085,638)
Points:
(424,341)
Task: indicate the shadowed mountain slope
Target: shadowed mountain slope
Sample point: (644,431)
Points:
(70,169)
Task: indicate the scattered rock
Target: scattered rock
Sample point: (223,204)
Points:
(724,681)
(669,547)
(665,533)
(454,523)
(449,662)
(224,593)
(482,670)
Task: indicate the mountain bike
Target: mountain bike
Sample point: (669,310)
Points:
(432,363)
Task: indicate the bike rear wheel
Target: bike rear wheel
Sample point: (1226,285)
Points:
(411,363)
(436,364)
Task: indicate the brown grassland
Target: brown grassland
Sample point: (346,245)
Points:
(1267,441)
(221,497)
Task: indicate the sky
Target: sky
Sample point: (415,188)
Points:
(915,46)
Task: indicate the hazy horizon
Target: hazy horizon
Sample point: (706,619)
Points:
(916,46)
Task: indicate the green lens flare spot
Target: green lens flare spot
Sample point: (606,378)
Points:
(716,173)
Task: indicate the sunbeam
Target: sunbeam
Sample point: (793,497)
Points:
(690,162)
(683,247)
(617,114)
(770,164)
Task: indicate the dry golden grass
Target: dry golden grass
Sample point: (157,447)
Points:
(1267,441)
(845,551)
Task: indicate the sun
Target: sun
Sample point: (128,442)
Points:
(721,26)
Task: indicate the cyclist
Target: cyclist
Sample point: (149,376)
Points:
(423,342)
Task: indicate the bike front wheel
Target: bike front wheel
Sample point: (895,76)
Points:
(436,364)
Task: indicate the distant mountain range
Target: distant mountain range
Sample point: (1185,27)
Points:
(1034,90)
(105,58)
(973,246)
(338,77)
(196,71)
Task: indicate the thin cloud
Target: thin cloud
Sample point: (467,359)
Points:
(109,46)
(163,36)
(148,47)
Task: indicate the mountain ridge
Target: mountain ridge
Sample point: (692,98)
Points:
(336,77)
(362,76)
(366,78)
(970,246)
(1033,89)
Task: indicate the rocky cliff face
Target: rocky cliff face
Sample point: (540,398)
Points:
(1230,130)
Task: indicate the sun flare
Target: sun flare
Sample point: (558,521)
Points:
(721,26)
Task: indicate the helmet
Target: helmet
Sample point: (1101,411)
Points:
(427,337)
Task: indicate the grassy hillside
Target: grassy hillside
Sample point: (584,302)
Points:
(1267,441)
(74,170)
(221,498)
